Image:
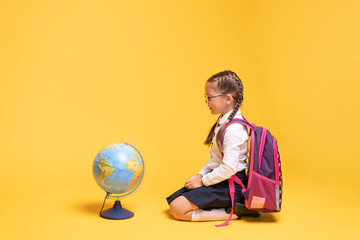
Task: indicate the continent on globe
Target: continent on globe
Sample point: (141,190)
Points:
(105,169)
(135,167)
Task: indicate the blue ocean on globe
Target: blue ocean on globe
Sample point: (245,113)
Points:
(118,168)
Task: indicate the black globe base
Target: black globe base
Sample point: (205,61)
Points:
(116,212)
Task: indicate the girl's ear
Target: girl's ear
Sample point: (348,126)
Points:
(229,98)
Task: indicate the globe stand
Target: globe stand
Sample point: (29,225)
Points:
(117,211)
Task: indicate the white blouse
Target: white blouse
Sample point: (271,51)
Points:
(235,149)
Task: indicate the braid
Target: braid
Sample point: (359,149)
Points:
(221,130)
(240,90)
(236,108)
(210,136)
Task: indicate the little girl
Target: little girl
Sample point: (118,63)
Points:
(206,196)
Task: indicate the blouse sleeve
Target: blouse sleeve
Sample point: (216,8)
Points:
(214,161)
(205,170)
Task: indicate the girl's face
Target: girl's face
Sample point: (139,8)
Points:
(217,102)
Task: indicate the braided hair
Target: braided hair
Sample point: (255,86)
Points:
(226,82)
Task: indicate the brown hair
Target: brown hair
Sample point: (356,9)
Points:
(226,82)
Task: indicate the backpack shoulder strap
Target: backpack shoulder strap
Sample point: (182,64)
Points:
(243,122)
(234,178)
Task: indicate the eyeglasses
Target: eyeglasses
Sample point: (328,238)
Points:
(207,98)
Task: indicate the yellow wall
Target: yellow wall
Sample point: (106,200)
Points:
(78,75)
(304,56)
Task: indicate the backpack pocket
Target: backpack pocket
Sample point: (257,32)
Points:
(262,194)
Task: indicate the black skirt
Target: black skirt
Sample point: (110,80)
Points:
(213,196)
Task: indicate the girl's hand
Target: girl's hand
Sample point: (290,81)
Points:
(194,182)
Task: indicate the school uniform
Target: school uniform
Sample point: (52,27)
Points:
(215,193)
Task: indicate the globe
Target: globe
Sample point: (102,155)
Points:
(118,169)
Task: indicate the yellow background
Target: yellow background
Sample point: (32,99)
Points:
(78,75)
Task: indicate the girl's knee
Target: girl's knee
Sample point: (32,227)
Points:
(176,210)
(181,208)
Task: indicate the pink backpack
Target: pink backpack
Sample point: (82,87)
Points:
(264,188)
